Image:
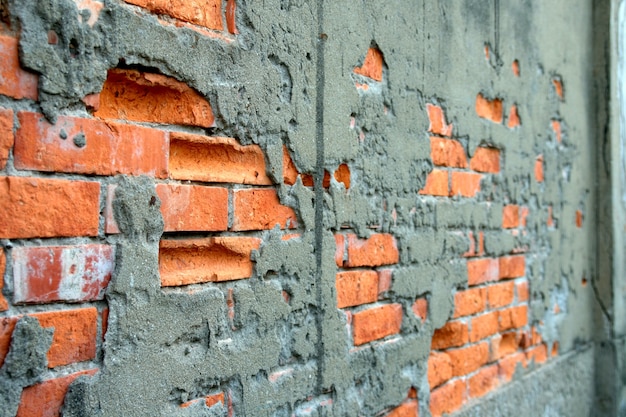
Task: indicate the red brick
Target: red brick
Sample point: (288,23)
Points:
(506,344)
(340,249)
(485,380)
(447,152)
(469,302)
(356,288)
(372,65)
(16,82)
(489,109)
(231,8)
(465,184)
(188,208)
(482,270)
(579,219)
(191,261)
(104,322)
(420,308)
(484,326)
(3,263)
(406,409)
(501,295)
(38,207)
(109,148)
(486,160)
(522,291)
(452,334)
(384,280)
(539,169)
(290,172)
(468,359)
(260,209)
(538,354)
(558,131)
(512,266)
(437,119)
(510,216)
(207,13)
(216,159)
(7,324)
(436,184)
(378,249)
(513,318)
(508,364)
(558,87)
(448,398)
(61,273)
(514,120)
(6,135)
(209,400)
(472,246)
(46,398)
(376,323)
(439,368)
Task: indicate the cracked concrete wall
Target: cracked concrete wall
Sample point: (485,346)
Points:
(310,208)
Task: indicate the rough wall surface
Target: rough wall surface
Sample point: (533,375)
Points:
(292,208)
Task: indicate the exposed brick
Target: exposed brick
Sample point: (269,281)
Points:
(500,295)
(448,397)
(61,273)
(191,261)
(37,207)
(406,409)
(513,318)
(356,288)
(420,308)
(3,263)
(510,216)
(376,323)
(437,118)
(372,65)
(207,13)
(110,225)
(512,266)
(523,216)
(468,359)
(6,135)
(508,364)
(555,350)
(472,246)
(538,354)
(90,146)
(506,344)
(489,109)
(290,172)
(522,291)
(384,280)
(482,270)
(579,219)
(465,184)
(260,209)
(46,398)
(16,82)
(378,249)
(486,160)
(342,175)
(209,400)
(484,326)
(439,369)
(558,87)
(193,207)
(231,8)
(7,324)
(215,159)
(452,334)
(485,380)
(515,68)
(469,302)
(436,183)
(447,152)
(558,132)
(104,317)
(539,169)
(514,120)
(339,249)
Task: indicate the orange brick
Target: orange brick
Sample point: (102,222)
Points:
(90,147)
(372,65)
(465,184)
(484,326)
(558,87)
(484,381)
(472,246)
(437,119)
(7,324)
(510,216)
(193,208)
(384,280)
(469,302)
(538,354)
(447,152)
(486,160)
(61,273)
(482,270)
(260,209)
(191,261)
(290,173)
(16,82)
(468,359)
(420,308)
(514,120)
(501,295)
(207,13)
(6,135)
(376,323)
(505,345)
(46,398)
(579,219)
(539,169)
(209,400)
(75,333)
(356,288)
(508,364)
(3,263)
(452,334)
(216,159)
(436,183)
(231,8)
(448,398)
(339,249)
(522,291)
(378,249)
(439,369)
(523,216)
(512,266)
(406,409)
(489,109)
(342,175)
(513,318)
(558,131)
(38,207)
